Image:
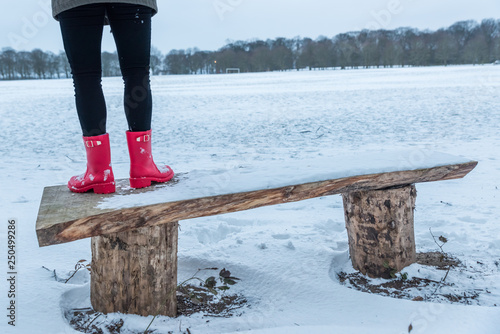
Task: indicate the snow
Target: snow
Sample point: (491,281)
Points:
(163,168)
(287,256)
(276,174)
(107,172)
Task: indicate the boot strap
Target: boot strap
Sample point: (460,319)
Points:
(144,138)
(92,143)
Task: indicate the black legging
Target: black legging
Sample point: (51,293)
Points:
(82,29)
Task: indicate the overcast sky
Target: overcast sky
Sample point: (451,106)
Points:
(209,24)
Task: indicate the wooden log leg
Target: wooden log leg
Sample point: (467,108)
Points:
(136,271)
(380,229)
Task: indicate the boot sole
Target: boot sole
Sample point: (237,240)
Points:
(101,188)
(143,182)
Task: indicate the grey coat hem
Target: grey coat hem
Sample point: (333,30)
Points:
(59,6)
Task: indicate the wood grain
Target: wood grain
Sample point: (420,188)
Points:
(65,216)
(380,230)
(135,271)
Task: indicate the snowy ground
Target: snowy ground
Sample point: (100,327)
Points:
(287,256)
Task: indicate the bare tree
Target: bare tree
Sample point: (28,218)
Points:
(23,65)
(64,66)
(110,64)
(156,61)
(176,62)
(461,33)
(39,60)
(490,30)
(8,63)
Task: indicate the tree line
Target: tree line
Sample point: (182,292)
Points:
(465,42)
(38,64)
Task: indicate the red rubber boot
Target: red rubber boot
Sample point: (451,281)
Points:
(143,170)
(99,175)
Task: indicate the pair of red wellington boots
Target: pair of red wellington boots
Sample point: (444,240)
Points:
(99,174)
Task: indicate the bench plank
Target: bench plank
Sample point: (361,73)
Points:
(66,216)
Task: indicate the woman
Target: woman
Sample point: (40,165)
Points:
(82,24)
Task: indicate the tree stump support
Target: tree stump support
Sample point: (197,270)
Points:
(136,271)
(380,229)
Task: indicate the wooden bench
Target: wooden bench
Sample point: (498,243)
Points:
(134,231)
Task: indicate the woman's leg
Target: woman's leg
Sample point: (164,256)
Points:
(131,28)
(81,30)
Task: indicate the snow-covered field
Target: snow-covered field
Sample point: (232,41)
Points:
(287,256)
